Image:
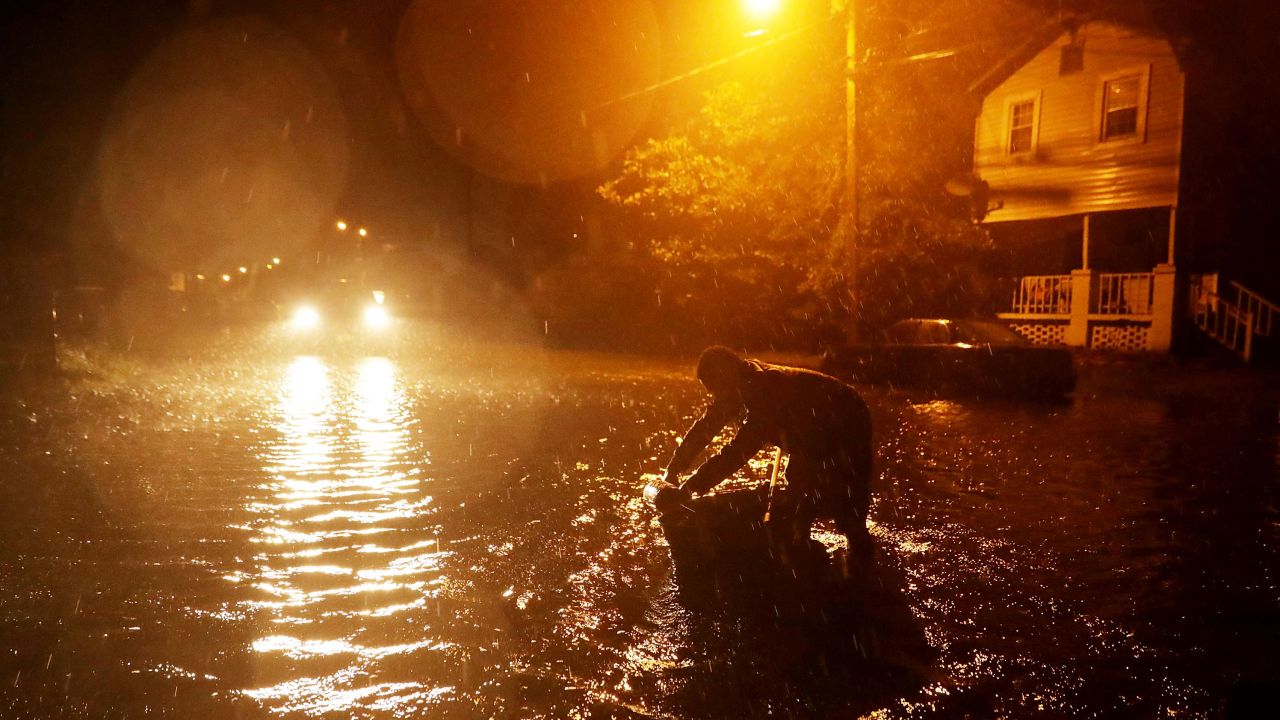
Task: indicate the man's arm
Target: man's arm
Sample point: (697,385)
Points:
(699,435)
(715,470)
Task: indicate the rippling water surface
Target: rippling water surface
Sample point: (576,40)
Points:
(455,530)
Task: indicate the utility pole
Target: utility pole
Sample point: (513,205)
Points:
(851,217)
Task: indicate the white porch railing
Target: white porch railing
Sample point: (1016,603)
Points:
(1043,295)
(1115,311)
(1121,294)
(1223,321)
(1259,308)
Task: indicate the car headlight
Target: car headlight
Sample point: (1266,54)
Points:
(376,317)
(305,317)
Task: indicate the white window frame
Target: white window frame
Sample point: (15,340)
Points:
(1007,139)
(1143,73)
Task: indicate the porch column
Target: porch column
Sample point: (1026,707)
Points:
(1077,334)
(1160,336)
(1084,244)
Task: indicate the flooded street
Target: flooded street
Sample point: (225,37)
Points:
(456,530)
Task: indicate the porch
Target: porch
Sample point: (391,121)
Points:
(1113,311)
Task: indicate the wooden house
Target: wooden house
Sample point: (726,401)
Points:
(1079,150)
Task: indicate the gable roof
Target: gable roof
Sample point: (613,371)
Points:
(1050,30)
(1040,38)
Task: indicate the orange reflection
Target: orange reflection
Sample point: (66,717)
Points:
(347,559)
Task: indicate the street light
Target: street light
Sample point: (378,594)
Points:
(342,225)
(762,9)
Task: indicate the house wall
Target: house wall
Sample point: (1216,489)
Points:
(1070,171)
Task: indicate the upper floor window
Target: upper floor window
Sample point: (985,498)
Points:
(1021,119)
(1124,106)
(1120,111)
(1022,126)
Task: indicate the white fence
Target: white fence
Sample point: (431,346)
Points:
(1043,295)
(1121,294)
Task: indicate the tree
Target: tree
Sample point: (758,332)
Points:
(734,215)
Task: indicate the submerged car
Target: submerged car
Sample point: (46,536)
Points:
(952,354)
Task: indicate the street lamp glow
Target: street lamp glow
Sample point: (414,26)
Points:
(243,269)
(762,9)
(226,277)
(342,225)
(363,232)
(275,261)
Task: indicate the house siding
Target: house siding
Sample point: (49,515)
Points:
(1070,171)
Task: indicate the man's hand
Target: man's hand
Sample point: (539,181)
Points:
(670,497)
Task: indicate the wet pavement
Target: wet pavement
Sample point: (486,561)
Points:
(455,529)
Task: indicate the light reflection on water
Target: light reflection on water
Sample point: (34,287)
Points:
(342,475)
(282,554)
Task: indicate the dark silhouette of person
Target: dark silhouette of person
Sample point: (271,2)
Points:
(820,422)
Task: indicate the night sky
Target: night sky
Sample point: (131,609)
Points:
(409,117)
(287,115)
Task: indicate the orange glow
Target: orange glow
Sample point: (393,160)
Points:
(510,131)
(230,189)
(762,9)
(226,277)
(342,225)
(363,232)
(243,269)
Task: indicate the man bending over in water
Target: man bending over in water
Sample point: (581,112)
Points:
(819,421)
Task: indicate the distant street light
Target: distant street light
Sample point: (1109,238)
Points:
(226,277)
(363,232)
(275,261)
(342,225)
(243,269)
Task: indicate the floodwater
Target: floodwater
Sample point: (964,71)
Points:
(456,530)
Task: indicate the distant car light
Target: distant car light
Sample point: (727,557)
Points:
(305,317)
(376,317)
